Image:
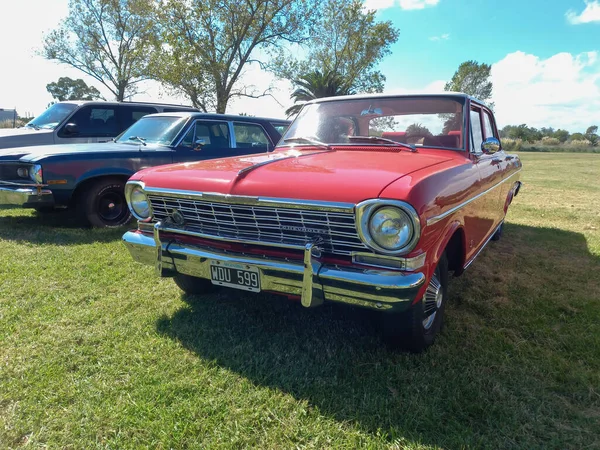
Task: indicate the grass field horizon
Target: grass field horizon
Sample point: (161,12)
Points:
(98,352)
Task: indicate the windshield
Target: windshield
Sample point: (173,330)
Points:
(427,121)
(54,115)
(153,130)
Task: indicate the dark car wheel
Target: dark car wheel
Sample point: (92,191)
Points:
(103,204)
(193,285)
(498,234)
(416,329)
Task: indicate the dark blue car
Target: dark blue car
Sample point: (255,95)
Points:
(91,177)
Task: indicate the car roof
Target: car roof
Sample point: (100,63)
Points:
(101,102)
(449,94)
(218,116)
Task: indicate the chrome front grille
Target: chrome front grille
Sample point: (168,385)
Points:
(262,224)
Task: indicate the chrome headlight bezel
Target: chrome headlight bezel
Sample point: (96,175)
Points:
(36,174)
(365,212)
(132,188)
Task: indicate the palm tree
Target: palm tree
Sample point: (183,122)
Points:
(317,85)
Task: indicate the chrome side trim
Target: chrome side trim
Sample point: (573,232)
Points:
(366,209)
(255,201)
(436,219)
(482,247)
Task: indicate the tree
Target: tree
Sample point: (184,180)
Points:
(416,129)
(203,46)
(591,135)
(68,89)
(106,39)
(561,135)
(317,85)
(578,137)
(347,41)
(474,79)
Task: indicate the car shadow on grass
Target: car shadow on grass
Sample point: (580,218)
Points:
(60,227)
(485,382)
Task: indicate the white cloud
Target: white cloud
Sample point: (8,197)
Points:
(443,37)
(562,91)
(591,13)
(404,4)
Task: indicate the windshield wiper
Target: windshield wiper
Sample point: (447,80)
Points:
(139,139)
(412,148)
(308,140)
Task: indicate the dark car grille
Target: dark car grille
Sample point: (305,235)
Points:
(8,172)
(263,224)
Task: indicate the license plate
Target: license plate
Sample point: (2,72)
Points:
(238,276)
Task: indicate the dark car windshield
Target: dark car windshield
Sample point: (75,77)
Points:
(54,115)
(153,130)
(428,121)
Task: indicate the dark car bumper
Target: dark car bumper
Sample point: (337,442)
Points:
(26,197)
(314,282)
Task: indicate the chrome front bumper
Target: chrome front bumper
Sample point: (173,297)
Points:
(27,197)
(313,281)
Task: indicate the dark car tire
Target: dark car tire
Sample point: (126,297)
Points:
(193,285)
(416,329)
(498,234)
(103,204)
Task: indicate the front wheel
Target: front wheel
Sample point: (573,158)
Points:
(193,285)
(103,204)
(416,329)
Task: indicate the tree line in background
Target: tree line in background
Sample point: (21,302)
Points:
(550,136)
(201,49)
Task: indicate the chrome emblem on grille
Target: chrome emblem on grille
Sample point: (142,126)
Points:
(303,230)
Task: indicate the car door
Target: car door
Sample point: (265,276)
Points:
(127,115)
(500,160)
(490,174)
(205,139)
(251,138)
(90,123)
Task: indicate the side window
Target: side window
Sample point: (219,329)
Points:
(131,114)
(248,135)
(487,123)
(280,127)
(208,135)
(476,132)
(94,121)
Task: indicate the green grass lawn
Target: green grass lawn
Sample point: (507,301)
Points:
(95,351)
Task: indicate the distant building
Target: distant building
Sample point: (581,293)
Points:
(8,115)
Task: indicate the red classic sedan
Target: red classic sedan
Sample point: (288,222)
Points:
(367,200)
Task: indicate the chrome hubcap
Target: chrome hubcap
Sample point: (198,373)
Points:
(432,301)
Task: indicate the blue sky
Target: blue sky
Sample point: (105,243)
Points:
(544,56)
(479,30)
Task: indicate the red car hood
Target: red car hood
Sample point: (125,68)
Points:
(337,176)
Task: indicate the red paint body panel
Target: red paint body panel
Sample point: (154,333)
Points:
(337,176)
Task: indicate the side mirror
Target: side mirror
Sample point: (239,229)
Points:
(71,128)
(490,146)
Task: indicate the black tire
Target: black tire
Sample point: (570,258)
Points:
(103,204)
(498,234)
(193,285)
(416,329)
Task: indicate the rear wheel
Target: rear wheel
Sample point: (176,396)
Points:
(193,285)
(103,204)
(416,329)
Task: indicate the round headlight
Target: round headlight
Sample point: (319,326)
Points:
(391,228)
(138,202)
(36,173)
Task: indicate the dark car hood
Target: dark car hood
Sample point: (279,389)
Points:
(340,176)
(36,153)
(25,136)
